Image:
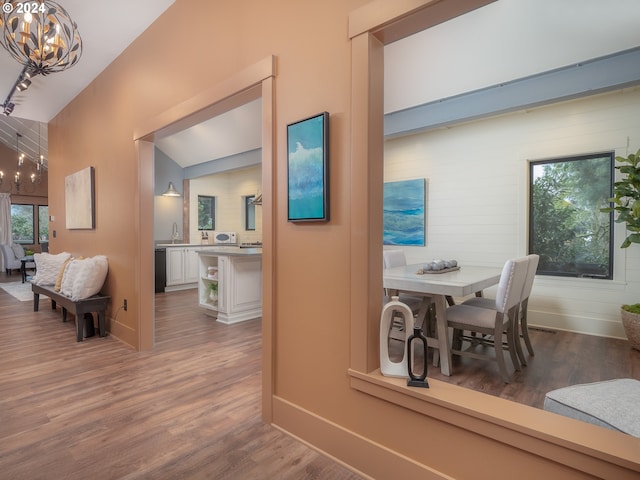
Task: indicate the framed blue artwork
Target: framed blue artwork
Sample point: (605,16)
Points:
(308,169)
(404,213)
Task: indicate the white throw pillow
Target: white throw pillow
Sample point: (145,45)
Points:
(48,266)
(89,276)
(69,275)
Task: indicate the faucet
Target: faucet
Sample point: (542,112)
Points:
(174,233)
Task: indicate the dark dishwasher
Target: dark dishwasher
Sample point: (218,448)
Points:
(161,269)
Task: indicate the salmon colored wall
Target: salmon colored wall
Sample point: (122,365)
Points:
(311,268)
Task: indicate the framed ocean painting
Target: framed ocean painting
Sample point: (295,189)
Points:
(404,212)
(308,169)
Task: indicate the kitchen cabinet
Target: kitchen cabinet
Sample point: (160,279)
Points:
(237,272)
(182,268)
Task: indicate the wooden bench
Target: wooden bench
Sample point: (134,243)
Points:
(96,303)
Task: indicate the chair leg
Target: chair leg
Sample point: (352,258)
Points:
(516,339)
(524,327)
(512,346)
(502,366)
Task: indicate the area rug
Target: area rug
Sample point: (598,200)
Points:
(19,290)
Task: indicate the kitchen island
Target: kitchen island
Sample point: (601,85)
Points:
(230,283)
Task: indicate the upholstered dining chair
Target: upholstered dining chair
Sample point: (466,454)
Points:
(524,304)
(422,306)
(493,322)
(523,328)
(396,258)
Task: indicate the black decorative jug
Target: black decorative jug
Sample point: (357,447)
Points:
(417,380)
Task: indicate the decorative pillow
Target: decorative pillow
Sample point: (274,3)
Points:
(83,278)
(48,266)
(69,274)
(18,250)
(58,284)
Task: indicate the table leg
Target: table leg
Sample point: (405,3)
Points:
(443,334)
(23,271)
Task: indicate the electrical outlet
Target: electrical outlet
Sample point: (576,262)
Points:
(125,305)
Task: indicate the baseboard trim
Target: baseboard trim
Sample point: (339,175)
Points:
(346,447)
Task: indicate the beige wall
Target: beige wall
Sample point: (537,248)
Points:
(311,268)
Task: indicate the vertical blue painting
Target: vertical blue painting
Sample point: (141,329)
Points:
(403,212)
(306,169)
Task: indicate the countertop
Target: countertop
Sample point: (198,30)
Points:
(215,251)
(164,245)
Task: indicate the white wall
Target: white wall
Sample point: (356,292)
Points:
(503,41)
(477,198)
(167,210)
(229,188)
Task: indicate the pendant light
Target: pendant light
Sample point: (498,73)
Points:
(171,191)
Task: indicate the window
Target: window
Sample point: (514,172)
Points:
(43,223)
(22,226)
(249,213)
(206,212)
(566,227)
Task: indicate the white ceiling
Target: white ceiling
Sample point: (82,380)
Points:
(230,133)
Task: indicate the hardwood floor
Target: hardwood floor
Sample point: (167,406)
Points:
(191,407)
(97,409)
(561,359)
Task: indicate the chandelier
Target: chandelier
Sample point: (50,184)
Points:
(40,35)
(34,178)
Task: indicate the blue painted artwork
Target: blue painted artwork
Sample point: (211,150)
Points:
(307,169)
(403,212)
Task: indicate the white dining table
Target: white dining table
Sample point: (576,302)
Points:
(465,281)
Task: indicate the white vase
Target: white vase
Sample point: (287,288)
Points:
(388,367)
(213,296)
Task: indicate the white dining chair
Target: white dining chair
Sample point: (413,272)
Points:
(521,327)
(422,306)
(396,258)
(492,322)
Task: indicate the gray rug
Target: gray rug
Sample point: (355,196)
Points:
(18,290)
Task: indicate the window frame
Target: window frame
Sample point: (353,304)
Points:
(530,209)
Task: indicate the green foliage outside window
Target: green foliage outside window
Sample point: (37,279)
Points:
(22,226)
(43,223)
(206,212)
(567,228)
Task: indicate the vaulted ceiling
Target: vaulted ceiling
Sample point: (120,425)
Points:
(119,21)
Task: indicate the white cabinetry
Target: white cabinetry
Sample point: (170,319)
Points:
(182,267)
(239,286)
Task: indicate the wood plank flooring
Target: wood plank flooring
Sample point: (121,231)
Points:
(99,410)
(191,408)
(561,359)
